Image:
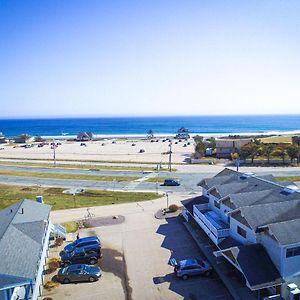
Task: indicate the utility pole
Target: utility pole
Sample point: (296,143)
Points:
(170,157)
(54,154)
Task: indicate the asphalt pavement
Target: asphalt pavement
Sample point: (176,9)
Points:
(188,181)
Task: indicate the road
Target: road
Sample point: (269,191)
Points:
(188,180)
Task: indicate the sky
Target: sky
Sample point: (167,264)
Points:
(156,57)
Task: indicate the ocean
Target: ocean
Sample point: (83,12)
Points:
(161,126)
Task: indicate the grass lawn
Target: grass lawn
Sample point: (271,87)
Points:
(94,161)
(155,179)
(288,178)
(67,176)
(70,226)
(277,139)
(9,194)
(77,166)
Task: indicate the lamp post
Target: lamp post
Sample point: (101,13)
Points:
(237,162)
(167,195)
(170,156)
(54,154)
(74,200)
(157,171)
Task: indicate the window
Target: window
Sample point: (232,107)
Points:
(217,204)
(242,232)
(292,252)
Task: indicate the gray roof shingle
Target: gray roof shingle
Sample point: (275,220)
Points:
(286,233)
(262,201)
(257,266)
(22,228)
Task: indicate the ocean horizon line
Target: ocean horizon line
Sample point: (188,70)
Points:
(59,117)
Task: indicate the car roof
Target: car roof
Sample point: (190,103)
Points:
(75,267)
(88,238)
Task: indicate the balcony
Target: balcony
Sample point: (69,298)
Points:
(211,223)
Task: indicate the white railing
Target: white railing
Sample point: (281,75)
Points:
(201,206)
(207,225)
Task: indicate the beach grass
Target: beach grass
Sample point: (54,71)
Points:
(288,178)
(68,176)
(10,194)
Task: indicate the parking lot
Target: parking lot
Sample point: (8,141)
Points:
(135,262)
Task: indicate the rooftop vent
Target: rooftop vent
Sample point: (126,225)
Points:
(247,175)
(291,189)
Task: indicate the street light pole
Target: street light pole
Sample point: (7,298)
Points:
(170,157)
(54,154)
(167,199)
(157,170)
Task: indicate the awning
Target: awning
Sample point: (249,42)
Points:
(255,264)
(10,281)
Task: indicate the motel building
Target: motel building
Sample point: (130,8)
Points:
(254,224)
(24,241)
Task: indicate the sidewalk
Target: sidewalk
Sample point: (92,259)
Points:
(236,288)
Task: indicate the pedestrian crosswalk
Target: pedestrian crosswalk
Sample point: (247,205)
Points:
(132,185)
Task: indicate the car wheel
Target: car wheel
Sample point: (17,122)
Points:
(92,279)
(66,280)
(185,277)
(93,261)
(207,273)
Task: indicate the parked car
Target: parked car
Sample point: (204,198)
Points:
(79,272)
(142,151)
(80,256)
(83,144)
(171,182)
(88,243)
(191,267)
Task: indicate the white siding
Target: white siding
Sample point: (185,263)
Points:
(290,265)
(274,250)
(223,210)
(251,237)
(212,206)
(204,192)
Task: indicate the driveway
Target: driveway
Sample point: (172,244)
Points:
(135,259)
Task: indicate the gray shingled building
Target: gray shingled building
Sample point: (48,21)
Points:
(254,222)
(24,242)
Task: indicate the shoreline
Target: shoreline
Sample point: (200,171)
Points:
(172,135)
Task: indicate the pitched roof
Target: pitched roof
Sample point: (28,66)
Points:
(256,266)
(260,201)
(287,232)
(264,214)
(22,228)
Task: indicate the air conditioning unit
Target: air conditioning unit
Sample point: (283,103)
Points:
(293,292)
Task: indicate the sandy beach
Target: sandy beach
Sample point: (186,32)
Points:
(109,150)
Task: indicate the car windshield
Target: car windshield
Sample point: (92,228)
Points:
(87,268)
(64,270)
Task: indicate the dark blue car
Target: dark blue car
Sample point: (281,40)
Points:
(87,243)
(171,182)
